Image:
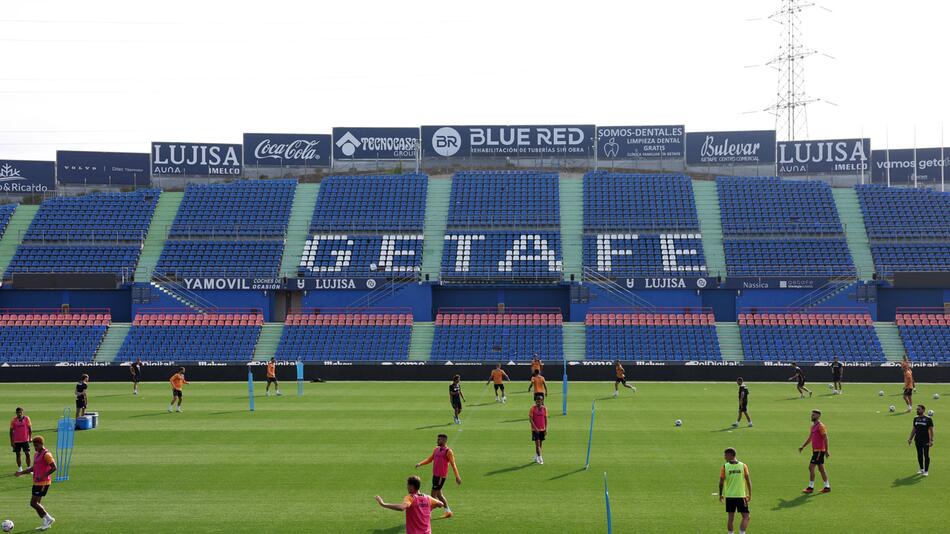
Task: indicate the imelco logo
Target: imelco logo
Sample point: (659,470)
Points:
(446,141)
(9,173)
(348,144)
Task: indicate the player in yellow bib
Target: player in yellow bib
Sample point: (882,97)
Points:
(735,489)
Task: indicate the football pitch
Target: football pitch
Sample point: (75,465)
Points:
(314,464)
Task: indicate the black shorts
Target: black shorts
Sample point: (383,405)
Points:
(499,387)
(817,458)
(40,491)
(271,380)
(176,393)
(908,392)
(22,446)
(437,482)
(457,403)
(836,378)
(538,395)
(538,435)
(743,406)
(736,504)
(136,379)
(621,381)
(80,403)
(801,383)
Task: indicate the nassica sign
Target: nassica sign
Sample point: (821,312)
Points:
(20,177)
(839,156)
(287,150)
(508,141)
(375,143)
(730,148)
(900,165)
(122,168)
(196,159)
(640,142)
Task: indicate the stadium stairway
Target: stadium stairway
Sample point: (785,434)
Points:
(13,235)
(112,342)
(162,220)
(730,343)
(710,225)
(891,342)
(575,340)
(437,213)
(301,213)
(849,209)
(267,341)
(572,226)
(420,344)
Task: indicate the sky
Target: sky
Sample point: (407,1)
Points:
(116,75)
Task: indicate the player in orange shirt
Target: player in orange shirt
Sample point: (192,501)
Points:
(536,364)
(498,376)
(177,381)
(43,467)
(538,384)
(818,437)
(908,383)
(272,377)
(441,459)
(621,379)
(538,417)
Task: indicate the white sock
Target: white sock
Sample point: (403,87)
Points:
(811,484)
(827,484)
(741,532)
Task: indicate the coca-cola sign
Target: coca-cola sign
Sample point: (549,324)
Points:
(287,150)
(730,148)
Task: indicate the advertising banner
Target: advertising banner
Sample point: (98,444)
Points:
(900,163)
(196,159)
(110,168)
(287,150)
(375,143)
(22,177)
(753,147)
(832,156)
(508,141)
(640,142)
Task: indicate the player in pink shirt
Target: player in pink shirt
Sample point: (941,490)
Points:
(417,505)
(21,432)
(818,437)
(538,417)
(441,458)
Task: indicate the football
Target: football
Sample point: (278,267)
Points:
(891,408)
(678,422)
(930,413)
(880,393)
(831,386)
(936,396)
(7,525)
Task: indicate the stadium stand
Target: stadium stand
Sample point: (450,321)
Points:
(809,337)
(97,233)
(502,255)
(361,226)
(245,208)
(777,227)
(358,336)
(909,229)
(618,208)
(51,337)
(6,211)
(651,336)
(926,336)
(229,230)
(488,337)
(192,337)
(511,199)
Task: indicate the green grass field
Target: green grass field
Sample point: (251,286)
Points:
(313,464)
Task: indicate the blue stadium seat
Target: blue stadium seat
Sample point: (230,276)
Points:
(497,337)
(789,257)
(487,256)
(245,208)
(633,255)
(651,336)
(214,258)
(51,337)
(770,205)
(370,336)
(183,337)
(510,199)
(360,255)
(926,336)
(809,337)
(384,204)
(657,202)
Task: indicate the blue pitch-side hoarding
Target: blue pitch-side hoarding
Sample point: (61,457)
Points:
(195,159)
(753,147)
(830,156)
(640,142)
(899,163)
(375,143)
(120,168)
(568,140)
(22,177)
(287,150)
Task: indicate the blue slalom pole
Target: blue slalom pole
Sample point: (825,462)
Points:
(564,396)
(607,501)
(300,379)
(250,388)
(590,436)
(65,434)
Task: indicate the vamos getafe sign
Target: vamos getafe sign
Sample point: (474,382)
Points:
(22,177)
(839,156)
(899,165)
(508,141)
(754,147)
(640,142)
(375,143)
(196,159)
(121,168)
(287,150)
